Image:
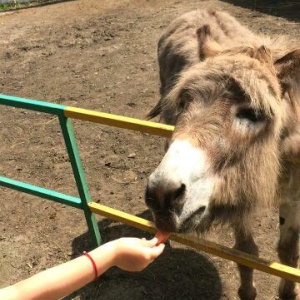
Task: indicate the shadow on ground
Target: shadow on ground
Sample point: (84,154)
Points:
(280,8)
(177,274)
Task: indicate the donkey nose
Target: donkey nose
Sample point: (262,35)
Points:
(165,195)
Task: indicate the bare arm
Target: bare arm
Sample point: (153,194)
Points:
(130,254)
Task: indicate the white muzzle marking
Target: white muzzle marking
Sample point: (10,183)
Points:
(185,164)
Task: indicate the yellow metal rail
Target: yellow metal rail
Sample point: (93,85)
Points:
(65,112)
(239,257)
(119,121)
(153,128)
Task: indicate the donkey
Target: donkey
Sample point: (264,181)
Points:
(234,98)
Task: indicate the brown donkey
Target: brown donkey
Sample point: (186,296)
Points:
(234,98)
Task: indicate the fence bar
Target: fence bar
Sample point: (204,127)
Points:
(40,192)
(119,121)
(200,244)
(82,186)
(40,106)
(152,128)
(89,207)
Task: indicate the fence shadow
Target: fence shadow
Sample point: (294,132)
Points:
(179,273)
(280,8)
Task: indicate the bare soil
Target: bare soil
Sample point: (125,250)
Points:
(102,55)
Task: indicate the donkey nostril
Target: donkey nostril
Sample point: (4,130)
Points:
(164,195)
(202,209)
(179,192)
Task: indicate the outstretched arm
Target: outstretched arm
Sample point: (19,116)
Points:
(129,254)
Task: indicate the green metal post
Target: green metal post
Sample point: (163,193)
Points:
(83,190)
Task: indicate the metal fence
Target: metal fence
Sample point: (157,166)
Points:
(84,201)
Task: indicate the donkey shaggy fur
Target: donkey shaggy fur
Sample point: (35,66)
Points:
(234,98)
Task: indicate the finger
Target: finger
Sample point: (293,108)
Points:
(156,251)
(153,242)
(162,236)
(149,243)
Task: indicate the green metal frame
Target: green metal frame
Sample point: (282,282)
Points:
(84,202)
(72,149)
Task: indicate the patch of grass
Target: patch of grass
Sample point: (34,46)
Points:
(13,5)
(9,6)
(17,5)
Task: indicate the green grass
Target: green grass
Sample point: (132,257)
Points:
(11,6)
(17,5)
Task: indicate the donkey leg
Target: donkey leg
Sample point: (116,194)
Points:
(244,242)
(288,246)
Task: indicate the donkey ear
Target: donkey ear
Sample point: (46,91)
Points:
(264,55)
(288,73)
(206,46)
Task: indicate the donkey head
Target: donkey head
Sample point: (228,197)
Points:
(229,112)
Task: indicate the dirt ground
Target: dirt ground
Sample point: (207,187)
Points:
(102,55)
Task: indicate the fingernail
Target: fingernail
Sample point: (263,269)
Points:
(155,240)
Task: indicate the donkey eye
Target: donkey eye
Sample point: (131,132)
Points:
(185,100)
(250,115)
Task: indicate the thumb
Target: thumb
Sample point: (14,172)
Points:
(150,243)
(156,251)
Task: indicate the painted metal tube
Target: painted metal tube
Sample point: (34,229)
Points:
(200,244)
(152,128)
(79,176)
(149,127)
(40,192)
(35,105)
(64,112)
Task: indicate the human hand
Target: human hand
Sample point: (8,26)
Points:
(162,236)
(133,254)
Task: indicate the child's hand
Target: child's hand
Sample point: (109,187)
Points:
(162,236)
(133,254)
